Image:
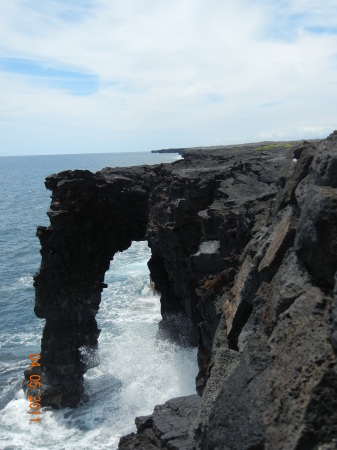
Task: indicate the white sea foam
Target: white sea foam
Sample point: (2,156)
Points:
(136,370)
(25,281)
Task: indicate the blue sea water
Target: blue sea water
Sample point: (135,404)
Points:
(137,370)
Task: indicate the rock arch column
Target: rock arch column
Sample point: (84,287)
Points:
(92,216)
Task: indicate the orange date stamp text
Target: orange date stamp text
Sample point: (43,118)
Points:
(35,383)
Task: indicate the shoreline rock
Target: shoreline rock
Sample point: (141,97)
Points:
(167,427)
(244,244)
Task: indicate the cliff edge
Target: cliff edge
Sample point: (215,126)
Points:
(244,245)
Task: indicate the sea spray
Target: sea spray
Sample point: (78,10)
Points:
(136,369)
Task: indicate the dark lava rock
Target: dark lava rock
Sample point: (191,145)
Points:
(243,245)
(166,428)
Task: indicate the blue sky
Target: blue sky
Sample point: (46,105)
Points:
(85,76)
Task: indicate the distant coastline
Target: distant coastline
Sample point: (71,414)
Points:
(211,148)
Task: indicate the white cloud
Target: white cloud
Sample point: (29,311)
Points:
(171,73)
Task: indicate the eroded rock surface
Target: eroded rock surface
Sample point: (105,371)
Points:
(244,245)
(282,393)
(167,427)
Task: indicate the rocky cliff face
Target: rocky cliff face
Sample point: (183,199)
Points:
(91,218)
(244,244)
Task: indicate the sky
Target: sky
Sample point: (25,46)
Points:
(86,76)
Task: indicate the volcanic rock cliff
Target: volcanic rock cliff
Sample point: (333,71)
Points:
(244,246)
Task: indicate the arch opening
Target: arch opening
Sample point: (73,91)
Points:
(137,367)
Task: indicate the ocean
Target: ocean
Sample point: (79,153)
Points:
(137,369)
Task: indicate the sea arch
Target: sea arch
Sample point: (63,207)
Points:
(92,216)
